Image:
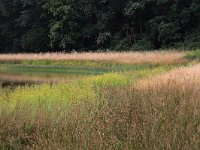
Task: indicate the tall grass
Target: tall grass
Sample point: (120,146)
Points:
(160,57)
(129,109)
(178,75)
(134,117)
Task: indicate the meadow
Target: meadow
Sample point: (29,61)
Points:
(129,100)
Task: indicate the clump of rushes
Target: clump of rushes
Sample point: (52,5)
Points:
(163,117)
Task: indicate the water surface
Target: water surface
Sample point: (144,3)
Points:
(18,75)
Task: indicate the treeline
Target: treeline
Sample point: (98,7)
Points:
(56,25)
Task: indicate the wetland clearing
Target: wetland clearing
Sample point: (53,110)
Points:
(110,100)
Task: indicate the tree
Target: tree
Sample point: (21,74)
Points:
(34,21)
(55,25)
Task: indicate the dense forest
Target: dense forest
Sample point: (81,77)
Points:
(81,25)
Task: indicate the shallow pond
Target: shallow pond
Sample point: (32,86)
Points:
(17,75)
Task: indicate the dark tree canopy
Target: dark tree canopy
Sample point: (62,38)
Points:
(56,25)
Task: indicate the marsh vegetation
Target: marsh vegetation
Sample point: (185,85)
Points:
(115,101)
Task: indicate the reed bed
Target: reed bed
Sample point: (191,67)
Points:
(156,57)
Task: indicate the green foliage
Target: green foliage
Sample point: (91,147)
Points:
(65,24)
(143,44)
(35,39)
(55,25)
(120,45)
(191,41)
(24,26)
(139,45)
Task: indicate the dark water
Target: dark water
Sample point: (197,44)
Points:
(13,84)
(12,80)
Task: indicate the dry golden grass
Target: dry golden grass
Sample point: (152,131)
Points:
(181,77)
(161,57)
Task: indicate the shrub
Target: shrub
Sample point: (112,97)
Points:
(191,41)
(120,44)
(143,44)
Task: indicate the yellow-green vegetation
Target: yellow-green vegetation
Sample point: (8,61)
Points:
(118,109)
(47,95)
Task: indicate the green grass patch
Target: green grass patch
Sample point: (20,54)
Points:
(53,69)
(71,63)
(73,69)
(195,55)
